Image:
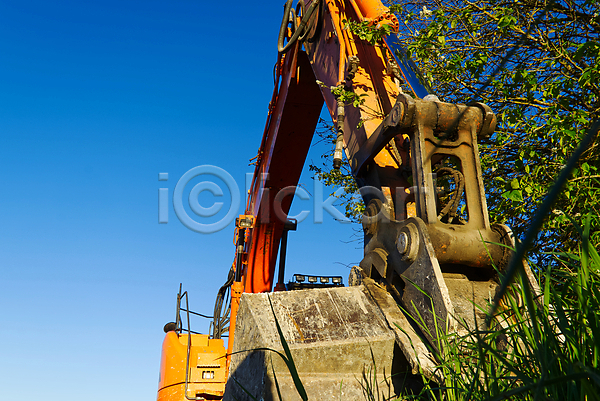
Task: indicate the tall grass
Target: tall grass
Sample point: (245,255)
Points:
(544,348)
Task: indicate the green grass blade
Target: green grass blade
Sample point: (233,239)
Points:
(289,361)
(276,382)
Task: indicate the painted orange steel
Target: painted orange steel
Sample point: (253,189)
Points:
(288,134)
(371,82)
(371,9)
(207,371)
(237,288)
(375,12)
(293,115)
(343,42)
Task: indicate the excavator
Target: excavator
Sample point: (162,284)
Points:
(428,241)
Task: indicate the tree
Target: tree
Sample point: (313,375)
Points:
(536,63)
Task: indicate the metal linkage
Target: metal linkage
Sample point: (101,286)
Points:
(442,268)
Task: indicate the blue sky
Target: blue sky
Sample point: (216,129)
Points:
(96,99)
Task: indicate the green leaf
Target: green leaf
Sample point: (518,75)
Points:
(514,195)
(585,167)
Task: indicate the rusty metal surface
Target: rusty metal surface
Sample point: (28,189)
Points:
(310,316)
(440,263)
(443,130)
(333,334)
(419,357)
(402,254)
(458,244)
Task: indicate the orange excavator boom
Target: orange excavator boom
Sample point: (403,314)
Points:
(431,245)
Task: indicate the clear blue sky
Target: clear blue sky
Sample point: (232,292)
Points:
(96,99)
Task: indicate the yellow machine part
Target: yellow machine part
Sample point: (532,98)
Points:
(207,368)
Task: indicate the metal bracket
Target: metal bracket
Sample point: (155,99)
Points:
(445,274)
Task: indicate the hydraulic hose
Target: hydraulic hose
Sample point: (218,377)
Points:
(300,31)
(220,318)
(459,182)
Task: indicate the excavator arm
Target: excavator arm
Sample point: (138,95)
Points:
(400,140)
(415,159)
(292,120)
(333,63)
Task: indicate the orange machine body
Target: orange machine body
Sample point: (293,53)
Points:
(206,374)
(305,76)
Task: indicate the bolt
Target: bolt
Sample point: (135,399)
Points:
(402,243)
